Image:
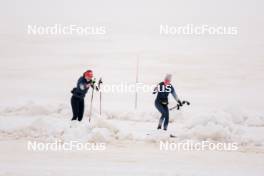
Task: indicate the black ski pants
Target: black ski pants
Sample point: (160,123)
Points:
(164,110)
(77,108)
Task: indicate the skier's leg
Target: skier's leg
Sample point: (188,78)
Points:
(166,114)
(74,105)
(161,110)
(160,122)
(81,109)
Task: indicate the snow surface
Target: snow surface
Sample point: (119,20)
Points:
(137,159)
(222,77)
(226,106)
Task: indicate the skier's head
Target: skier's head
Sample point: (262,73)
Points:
(167,79)
(88,74)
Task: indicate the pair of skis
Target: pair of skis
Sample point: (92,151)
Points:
(100,98)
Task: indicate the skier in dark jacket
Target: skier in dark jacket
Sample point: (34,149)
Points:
(164,89)
(79,92)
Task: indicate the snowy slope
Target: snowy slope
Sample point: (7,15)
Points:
(222,77)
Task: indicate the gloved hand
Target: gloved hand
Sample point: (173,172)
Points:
(93,82)
(90,84)
(179,102)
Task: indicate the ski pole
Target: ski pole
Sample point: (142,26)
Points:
(136,93)
(91,103)
(100,103)
(180,105)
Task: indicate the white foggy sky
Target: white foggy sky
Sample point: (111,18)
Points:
(135,14)
(139,17)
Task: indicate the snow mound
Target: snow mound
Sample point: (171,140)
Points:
(228,125)
(224,125)
(98,131)
(51,129)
